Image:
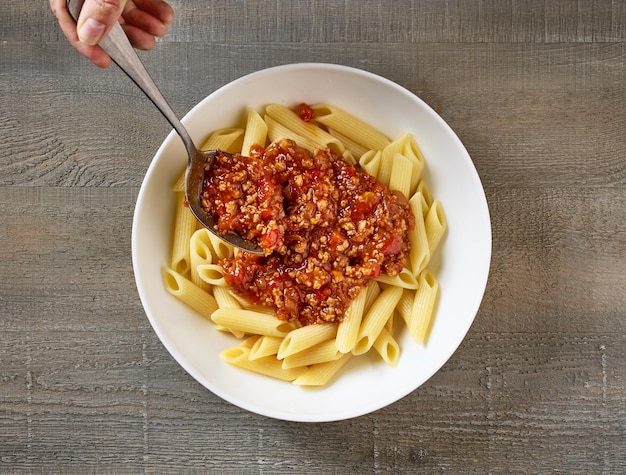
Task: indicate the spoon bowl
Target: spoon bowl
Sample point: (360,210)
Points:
(118,47)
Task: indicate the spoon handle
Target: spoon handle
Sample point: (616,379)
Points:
(118,47)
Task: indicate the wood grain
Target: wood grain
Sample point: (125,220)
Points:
(536,92)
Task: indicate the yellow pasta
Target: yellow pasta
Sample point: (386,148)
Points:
(387,347)
(306,337)
(265,346)
(320,353)
(211,274)
(228,140)
(199,254)
(405,305)
(435,224)
(423,307)
(320,374)
(356,148)
(249,342)
(428,200)
(370,161)
(348,328)
(277,131)
(269,366)
(313,354)
(185,290)
(184,227)
(404,279)
(256,132)
(371,294)
(221,249)
(307,130)
(375,319)
(224,298)
(387,159)
(400,179)
(420,248)
(250,322)
(350,126)
(412,153)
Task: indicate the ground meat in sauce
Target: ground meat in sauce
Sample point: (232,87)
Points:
(327,227)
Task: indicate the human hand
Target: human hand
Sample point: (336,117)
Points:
(142,20)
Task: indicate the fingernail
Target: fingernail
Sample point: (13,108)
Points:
(91,32)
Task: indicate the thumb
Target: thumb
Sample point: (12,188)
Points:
(96,19)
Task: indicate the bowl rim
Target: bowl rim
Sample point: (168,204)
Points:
(483,274)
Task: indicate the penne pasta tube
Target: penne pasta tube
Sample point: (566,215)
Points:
(320,353)
(256,132)
(199,254)
(347,124)
(428,199)
(400,178)
(184,227)
(387,347)
(268,365)
(306,337)
(405,305)
(227,140)
(412,152)
(211,274)
(356,148)
(250,322)
(435,224)
(187,292)
(387,159)
(404,279)
(221,249)
(277,131)
(225,299)
(348,328)
(308,130)
(423,307)
(375,319)
(249,342)
(372,291)
(419,255)
(390,326)
(320,374)
(370,162)
(265,346)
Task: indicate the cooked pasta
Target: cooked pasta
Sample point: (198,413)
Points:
(305,337)
(184,228)
(375,319)
(420,248)
(312,355)
(265,346)
(256,131)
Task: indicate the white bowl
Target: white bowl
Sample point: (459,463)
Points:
(462,266)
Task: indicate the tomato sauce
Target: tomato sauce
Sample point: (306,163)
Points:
(326,227)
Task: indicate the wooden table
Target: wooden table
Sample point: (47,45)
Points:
(536,91)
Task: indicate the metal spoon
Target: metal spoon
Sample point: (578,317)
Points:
(118,46)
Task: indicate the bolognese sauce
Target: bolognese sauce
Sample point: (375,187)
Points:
(326,227)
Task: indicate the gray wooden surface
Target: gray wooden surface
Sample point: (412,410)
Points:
(536,90)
